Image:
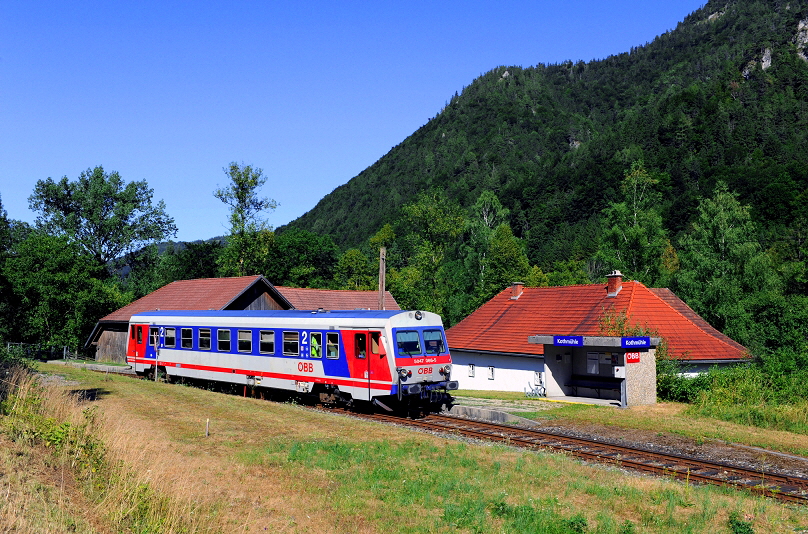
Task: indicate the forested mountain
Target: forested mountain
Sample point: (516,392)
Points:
(723,97)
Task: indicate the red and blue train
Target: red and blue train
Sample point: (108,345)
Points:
(394,359)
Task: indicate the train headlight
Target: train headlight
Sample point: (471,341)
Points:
(402,373)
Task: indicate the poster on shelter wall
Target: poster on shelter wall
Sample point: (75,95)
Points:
(593,363)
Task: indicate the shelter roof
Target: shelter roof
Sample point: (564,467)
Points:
(504,323)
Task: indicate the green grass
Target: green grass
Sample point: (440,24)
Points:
(353,475)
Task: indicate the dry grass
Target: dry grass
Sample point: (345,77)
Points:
(281,468)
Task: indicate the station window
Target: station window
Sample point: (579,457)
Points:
(186,338)
(471,370)
(204,339)
(171,337)
(408,342)
(316,344)
(491,373)
(433,342)
(291,343)
(245,341)
(266,342)
(153,335)
(223,337)
(332,345)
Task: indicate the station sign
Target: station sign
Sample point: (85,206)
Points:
(632,357)
(568,341)
(635,342)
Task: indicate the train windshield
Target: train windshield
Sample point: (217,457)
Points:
(408,342)
(433,339)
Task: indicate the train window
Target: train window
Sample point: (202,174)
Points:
(223,337)
(139,335)
(204,339)
(245,341)
(332,345)
(171,337)
(291,343)
(375,339)
(433,341)
(132,331)
(408,342)
(361,344)
(316,344)
(266,344)
(186,338)
(153,336)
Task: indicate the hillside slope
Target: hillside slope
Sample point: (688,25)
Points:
(724,96)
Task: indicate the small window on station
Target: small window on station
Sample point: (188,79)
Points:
(291,343)
(433,342)
(408,342)
(187,338)
(361,345)
(223,338)
(266,343)
(245,341)
(171,337)
(491,373)
(471,370)
(204,339)
(153,335)
(332,345)
(375,341)
(316,344)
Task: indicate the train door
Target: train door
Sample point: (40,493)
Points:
(371,359)
(136,349)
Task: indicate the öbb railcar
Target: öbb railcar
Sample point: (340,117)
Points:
(389,358)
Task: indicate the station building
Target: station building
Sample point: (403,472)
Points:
(584,341)
(109,337)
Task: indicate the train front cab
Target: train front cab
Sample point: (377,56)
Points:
(423,366)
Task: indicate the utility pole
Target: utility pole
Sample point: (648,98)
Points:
(382,271)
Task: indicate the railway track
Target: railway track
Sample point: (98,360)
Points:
(784,488)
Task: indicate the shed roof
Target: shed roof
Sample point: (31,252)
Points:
(199,294)
(336,299)
(504,323)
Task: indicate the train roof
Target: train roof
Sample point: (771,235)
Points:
(291,314)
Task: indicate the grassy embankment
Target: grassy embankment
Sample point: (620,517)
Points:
(136,459)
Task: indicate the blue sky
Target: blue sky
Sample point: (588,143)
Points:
(312,92)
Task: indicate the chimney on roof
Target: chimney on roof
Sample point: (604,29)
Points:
(614,283)
(516,289)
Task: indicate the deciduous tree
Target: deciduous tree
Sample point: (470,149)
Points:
(104,215)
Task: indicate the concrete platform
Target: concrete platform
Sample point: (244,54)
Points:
(583,400)
(95,366)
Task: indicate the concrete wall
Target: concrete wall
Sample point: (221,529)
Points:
(641,380)
(511,373)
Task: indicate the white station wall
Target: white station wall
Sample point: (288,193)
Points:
(496,372)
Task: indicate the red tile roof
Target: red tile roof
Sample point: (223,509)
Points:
(199,294)
(503,324)
(217,293)
(336,299)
